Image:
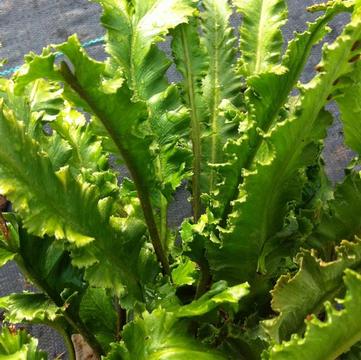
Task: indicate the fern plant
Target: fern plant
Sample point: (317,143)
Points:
(268,265)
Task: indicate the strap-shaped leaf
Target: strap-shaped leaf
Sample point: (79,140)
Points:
(261,36)
(133,27)
(191,60)
(46,264)
(160,335)
(274,180)
(218,295)
(338,219)
(29,307)
(184,273)
(110,108)
(220,83)
(207,63)
(270,91)
(84,153)
(329,339)
(348,100)
(163,334)
(56,203)
(24,191)
(267,94)
(19,345)
(330,3)
(317,281)
(169,122)
(42,103)
(97,312)
(107,106)
(5,256)
(132,136)
(87,152)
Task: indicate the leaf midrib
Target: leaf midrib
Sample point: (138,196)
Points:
(196,131)
(216,99)
(260,35)
(300,144)
(259,139)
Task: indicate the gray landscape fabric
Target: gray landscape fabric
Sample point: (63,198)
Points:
(29,25)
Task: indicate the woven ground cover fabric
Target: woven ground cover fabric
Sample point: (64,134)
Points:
(29,25)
